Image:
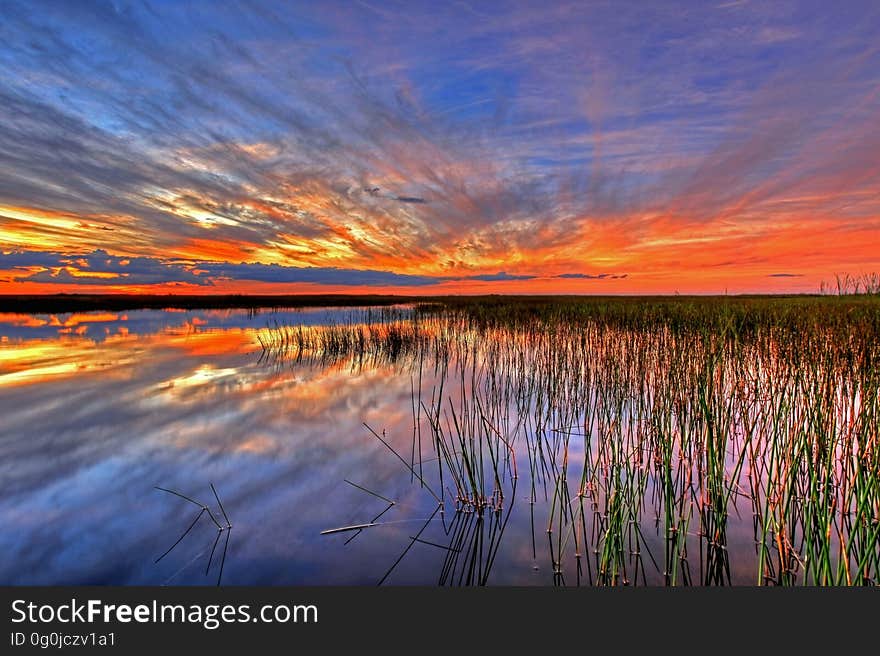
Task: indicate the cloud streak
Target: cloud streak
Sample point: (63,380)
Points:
(101,268)
(443,145)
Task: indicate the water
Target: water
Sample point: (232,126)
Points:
(101,408)
(98,408)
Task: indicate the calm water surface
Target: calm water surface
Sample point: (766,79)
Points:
(100,408)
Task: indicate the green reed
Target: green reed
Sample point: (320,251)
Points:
(666,440)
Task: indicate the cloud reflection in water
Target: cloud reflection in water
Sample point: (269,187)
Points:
(90,426)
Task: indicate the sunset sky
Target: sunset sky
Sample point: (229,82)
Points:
(438,147)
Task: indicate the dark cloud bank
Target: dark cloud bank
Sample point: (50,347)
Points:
(152,271)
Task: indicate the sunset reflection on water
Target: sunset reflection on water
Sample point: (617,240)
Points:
(309,421)
(94,419)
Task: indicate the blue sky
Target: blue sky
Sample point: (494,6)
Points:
(727,142)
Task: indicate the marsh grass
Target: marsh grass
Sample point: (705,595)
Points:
(646,428)
(224,528)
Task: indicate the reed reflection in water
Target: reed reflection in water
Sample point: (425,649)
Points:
(673,443)
(553,442)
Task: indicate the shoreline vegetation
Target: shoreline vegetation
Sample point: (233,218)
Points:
(61,303)
(50,303)
(677,440)
(669,441)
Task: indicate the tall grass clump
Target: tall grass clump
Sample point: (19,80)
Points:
(661,440)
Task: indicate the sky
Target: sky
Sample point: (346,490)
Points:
(438,147)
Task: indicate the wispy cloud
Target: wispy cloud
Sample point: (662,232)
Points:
(444,144)
(588,276)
